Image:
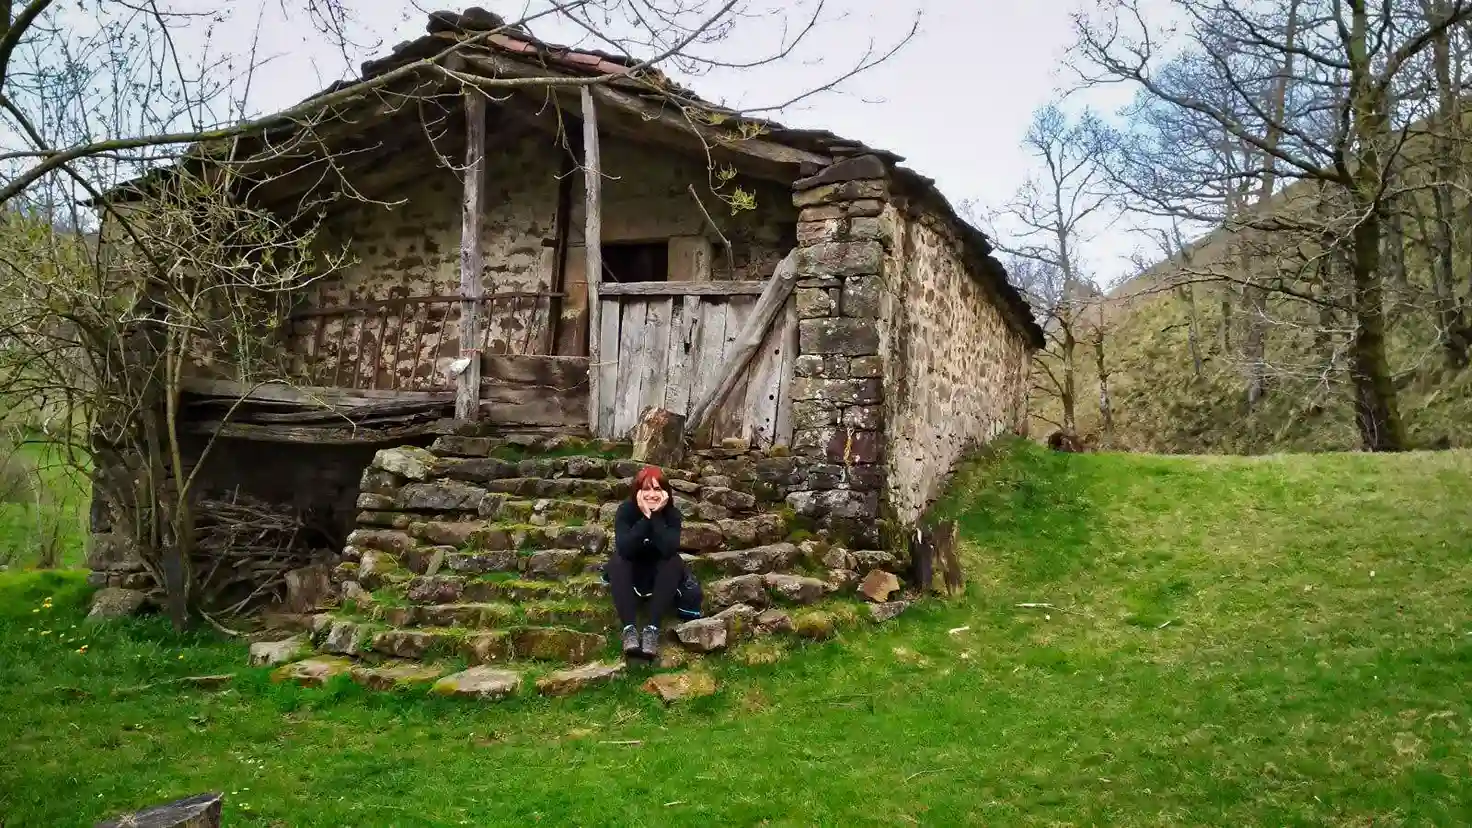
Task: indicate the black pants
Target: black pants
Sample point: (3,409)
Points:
(658,579)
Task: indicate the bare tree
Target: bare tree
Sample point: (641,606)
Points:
(1307,90)
(1044,227)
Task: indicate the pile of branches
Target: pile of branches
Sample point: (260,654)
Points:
(243,548)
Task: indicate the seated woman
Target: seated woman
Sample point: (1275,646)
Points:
(646,563)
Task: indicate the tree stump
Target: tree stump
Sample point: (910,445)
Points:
(200,811)
(935,555)
(308,588)
(659,438)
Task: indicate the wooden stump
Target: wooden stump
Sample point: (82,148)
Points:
(935,556)
(659,438)
(308,588)
(201,811)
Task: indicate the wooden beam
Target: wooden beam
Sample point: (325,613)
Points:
(663,122)
(472,257)
(561,239)
(304,395)
(768,306)
(592,245)
(683,288)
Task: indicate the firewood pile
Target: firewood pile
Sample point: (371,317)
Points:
(244,547)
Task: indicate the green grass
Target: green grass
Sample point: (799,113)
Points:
(47,512)
(1233,641)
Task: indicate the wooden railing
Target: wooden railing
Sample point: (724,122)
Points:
(405,344)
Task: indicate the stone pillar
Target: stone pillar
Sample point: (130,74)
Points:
(838,393)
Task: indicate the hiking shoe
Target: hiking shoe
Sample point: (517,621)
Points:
(649,642)
(631,641)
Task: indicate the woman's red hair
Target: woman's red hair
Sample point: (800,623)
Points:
(647,475)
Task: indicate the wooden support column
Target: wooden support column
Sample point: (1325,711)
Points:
(472,257)
(593,245)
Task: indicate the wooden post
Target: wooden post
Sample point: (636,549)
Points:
(593,245)
(768,305)
(472,258)
(561,239)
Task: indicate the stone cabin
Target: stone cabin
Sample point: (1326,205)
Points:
(900,344)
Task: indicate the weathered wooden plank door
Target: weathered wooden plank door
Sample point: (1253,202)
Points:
(665,350)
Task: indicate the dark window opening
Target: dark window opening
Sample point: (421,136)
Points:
(636,262)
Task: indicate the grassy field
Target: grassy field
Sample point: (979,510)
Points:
(43,507)
(1265,641)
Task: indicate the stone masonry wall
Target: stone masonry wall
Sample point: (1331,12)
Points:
(955,372)
(838,394)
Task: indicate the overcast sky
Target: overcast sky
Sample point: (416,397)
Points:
(955,101)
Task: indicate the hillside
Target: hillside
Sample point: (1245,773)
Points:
(1161,405)
(1206,641)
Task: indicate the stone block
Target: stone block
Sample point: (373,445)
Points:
(344,637)
(845,336)
(815,303)
(487,647)
(673,687)
(867,227)
(441,496)
(867,167)
(113,603)
(809,415)
(274,653)
(774,621)
(887,611)
(866,366)
(843,503)
(869,560)
(556,644)
(554,564)
(483,562)
(479,683)
(742,589)
(701,537)
(728,498)
(794,588)
(455,446)
(112,550)
(840,192)
(659,437)
(394,676)
(313,672)
(812,232)
(878,585)
(821,365)
(435,590)
(842,580)
(838,391)
(392,541)
(405,461)
(378,481)
(860,297)
(864,418)
(827,259)
(477,470)
(703,635)
(756,560)
(862,208)
(577,679)
(375,502)
(446,533)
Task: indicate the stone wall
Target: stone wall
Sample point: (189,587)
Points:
(955,372)
(838,394)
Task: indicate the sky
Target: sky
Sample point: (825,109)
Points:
(955,101)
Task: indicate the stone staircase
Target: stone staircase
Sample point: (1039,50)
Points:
(476,564)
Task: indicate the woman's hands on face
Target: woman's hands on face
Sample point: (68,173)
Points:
(652,500)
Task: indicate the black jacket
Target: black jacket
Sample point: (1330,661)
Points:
(649,539)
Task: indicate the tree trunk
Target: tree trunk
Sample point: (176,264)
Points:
(1374,389)
(1069,396)
(1106,411)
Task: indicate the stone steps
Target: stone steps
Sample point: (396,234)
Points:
(473,554)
